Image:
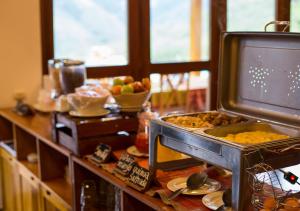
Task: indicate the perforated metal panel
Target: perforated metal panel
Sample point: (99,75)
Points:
(260,76)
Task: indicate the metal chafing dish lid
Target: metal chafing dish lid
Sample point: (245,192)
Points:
(259,76)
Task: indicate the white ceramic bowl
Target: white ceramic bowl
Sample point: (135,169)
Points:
(132,100)
(87,104)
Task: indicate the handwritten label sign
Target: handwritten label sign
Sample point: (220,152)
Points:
(139,178)
(103,152)
(101,155)
(125,164)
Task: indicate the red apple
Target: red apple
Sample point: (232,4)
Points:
(138,87)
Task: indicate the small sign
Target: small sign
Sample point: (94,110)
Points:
(101,154)
(140,178)
(125,164)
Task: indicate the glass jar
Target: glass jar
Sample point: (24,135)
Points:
(88,196)
(54,68)
(72,75)
(142,137)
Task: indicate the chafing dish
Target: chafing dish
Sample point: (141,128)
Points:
(259,79)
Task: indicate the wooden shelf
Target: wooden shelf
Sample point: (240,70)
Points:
(62,188)
(38,125)
(32,167)
(99,172)
(33,135)
(152,202)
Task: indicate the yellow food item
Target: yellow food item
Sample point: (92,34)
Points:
(254,137)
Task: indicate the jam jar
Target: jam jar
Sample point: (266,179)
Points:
(142,137)
(72,75)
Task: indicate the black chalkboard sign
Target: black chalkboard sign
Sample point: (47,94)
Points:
(140,178)
(125,164)
(101,154)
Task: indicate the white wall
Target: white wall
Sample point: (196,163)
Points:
(20,50)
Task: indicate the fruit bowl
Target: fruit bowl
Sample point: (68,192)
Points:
(132,100)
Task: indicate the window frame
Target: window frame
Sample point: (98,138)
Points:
(139,61)
(46,7)
(138,45)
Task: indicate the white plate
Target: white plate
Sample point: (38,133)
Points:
(42,108)
(214,201)
(96,114)
(135,152)
(209,187)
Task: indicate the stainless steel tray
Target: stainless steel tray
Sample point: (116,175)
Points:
(224,119)
(220,132)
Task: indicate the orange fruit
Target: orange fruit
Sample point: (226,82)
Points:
(116,90)
(146,83)
(128,80)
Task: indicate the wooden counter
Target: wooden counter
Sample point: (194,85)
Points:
(55,180)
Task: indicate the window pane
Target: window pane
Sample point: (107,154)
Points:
(91,30)
(179,30)
(187,92)
(249,15)
(295,16)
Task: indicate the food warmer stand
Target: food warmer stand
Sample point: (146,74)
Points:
(259,79)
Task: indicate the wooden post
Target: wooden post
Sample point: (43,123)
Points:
(195,30)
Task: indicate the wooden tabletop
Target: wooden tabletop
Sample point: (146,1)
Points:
(38,125)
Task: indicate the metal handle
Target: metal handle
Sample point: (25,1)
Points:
(174,113)
(295,147)
(286,23)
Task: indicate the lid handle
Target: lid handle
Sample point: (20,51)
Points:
(286,23)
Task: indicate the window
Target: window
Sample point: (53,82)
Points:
(250,15)
(133,37)
(179,30)
(143,38)
(295,16)
(97,28)
(186,92)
